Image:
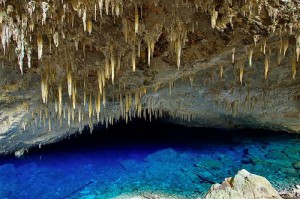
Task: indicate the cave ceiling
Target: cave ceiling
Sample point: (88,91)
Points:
(66,64)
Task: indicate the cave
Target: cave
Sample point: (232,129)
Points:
(150,99)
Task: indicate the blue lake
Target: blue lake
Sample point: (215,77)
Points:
(144,157)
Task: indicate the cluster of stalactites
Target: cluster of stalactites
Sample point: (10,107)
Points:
(19,26)
(48,77)
(129,105)
(177,37)
(252,9)
(267,52)
(48,87)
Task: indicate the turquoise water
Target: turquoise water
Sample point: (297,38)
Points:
(153,158)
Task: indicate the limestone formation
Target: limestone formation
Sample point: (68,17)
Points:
(206,63)
(243,185)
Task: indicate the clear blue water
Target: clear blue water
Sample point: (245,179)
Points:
(143,157)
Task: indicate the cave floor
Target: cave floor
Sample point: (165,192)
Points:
(179,166)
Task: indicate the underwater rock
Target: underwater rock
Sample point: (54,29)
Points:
(275,154)
(166,155)
(147,196)
(296,165)
(243,185)
(294,193)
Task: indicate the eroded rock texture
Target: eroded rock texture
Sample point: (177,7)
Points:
(243,185)
(69,63)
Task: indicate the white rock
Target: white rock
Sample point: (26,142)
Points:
(243,185)
(19,153)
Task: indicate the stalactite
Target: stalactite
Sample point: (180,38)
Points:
(20,50)
(76,42)
(256,39)
(84,93)
(100,4)
(117,9)
(294,62)
(178,52)
(129,100)
(103,80)
(69,80)
(5,37)
(31,7)
(55,39)
(150,46)
(59,99)
(89,27)
(64,113)
(90,107)
(297,47)
(95,12)
(285,46)
(279,58)
(241,72)
(107,6)
(45,7)
(133,59)
(98,105)
(136,19)
(40,46)
(29,51)
(104,98)
(69,117)
(140,110)
(79,115)
(250,52)
(84,19)
(214,17)
(99,80)
(281,43)
(232,57)
(74,96)
(136,100)
(221,71)
(55,105)
(139,49)
(73,114)
(266,65)
(44,88)
(112,63)
(264,45)
(107,66)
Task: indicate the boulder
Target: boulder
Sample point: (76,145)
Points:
(243,185)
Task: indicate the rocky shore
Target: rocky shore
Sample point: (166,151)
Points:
(242,185)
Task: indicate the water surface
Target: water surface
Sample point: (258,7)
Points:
(149,157)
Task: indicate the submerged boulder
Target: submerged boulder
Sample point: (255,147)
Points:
(243,185)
